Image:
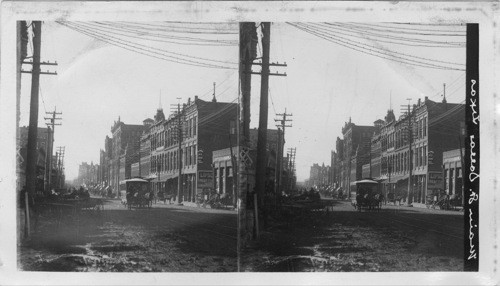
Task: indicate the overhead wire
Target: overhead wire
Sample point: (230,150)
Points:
(336,26)
(399,30)
(139,50)
(189,40)
(371,52)
(399,53)
(173,29)
(177,54)
(388,26)
(145,50)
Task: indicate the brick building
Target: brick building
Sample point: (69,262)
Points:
(435,128)
(124,151)
(205,127)
(41,146)
(356,149)
(223,165)
(452,172)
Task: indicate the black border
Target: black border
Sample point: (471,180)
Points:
(471,160)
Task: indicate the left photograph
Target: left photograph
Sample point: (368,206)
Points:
(125,142)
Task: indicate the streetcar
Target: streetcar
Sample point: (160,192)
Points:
(136,192)
(366,194)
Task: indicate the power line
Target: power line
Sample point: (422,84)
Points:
(174,53)
(174,29)
(404,31)
(394,52)
(369,52)
(140,34)
(144,51)
(378,39)
(412,40)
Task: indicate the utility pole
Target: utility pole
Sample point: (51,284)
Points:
(33,121)
(31,158)
(50,145)
(292,152)
(410,161)
(234,164)
(283,124)
(247,53)
(60,166)
(277,169)
(179,152)
(260,173)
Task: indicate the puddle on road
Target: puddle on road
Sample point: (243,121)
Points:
(320,258)
(120,247)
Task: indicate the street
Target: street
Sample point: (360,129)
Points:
(397,238)
(164,238)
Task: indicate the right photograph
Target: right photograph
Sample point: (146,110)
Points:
(352,138)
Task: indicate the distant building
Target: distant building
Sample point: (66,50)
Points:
(125,144)
(356,151)
(88,174)
(41,146)
(319,175)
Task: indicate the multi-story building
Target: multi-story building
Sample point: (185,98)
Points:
(415,144)
(319,175)
(223,164)
(205,127)
(452,173)
(124,148)
(356,152)
(88,174)
(41,147)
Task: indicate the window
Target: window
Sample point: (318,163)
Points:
(194,126)
(425,155)
(195,156)
(425,127)
(190,155)
(184,162)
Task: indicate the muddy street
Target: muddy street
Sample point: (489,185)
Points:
(394,239)
(165,238)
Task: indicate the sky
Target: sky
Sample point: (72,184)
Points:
(97,83)
(326,83)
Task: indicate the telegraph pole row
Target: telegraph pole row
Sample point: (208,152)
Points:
(60,166)
(179,155)
(260,180)
(31,157)
(291,164)
(281,143)
(410,154)
(50,145)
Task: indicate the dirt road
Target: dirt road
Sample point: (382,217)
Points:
(394,239)
(164,238)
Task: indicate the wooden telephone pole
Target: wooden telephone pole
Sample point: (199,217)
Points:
(410,154)
(50,145)
(260,173)
(179,152)
(281,143)
(31,158)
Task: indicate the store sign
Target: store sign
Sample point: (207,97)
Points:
(205,179)
(435,180)
(430,157)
